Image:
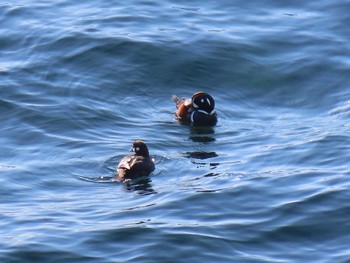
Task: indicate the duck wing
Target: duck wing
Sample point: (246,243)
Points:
(134,166)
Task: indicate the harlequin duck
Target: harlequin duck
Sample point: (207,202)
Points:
(198,111)
(137,165)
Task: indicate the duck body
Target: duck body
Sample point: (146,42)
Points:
(138,165)
(198,110)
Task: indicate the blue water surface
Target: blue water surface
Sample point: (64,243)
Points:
(81,80)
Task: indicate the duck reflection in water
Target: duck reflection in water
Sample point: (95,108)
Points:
(202,155)
(202,134)
(141,185)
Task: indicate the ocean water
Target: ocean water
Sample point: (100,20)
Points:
(81,80)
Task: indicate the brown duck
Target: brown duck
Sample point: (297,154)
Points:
(137,165)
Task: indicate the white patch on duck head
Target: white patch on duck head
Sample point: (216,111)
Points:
(208,102)
(188,102)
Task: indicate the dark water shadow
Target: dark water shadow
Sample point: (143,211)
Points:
(200,155)
(142,186)
(202,134)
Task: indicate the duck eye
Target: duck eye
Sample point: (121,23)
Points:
(137,149)
(202,100)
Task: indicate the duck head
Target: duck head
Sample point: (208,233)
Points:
(140,148)
(203,110)
(202,101)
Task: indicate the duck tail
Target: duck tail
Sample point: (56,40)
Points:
(176,99)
